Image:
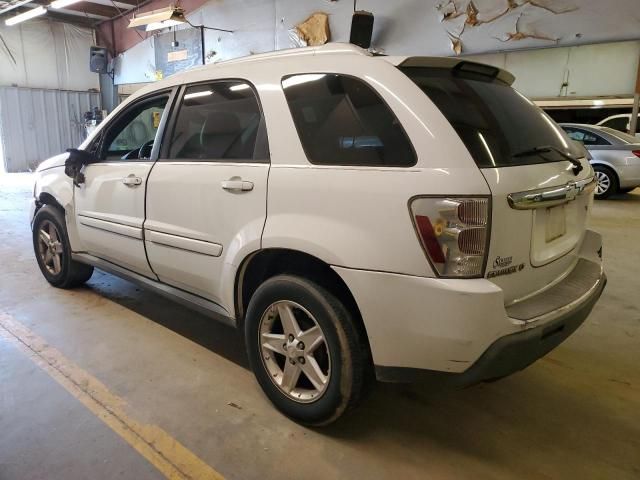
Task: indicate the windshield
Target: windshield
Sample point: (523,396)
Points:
(495,122)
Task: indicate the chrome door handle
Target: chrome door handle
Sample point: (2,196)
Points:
(237,185)
(132,181)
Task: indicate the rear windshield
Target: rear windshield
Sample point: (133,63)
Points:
(625,137)
(494,121)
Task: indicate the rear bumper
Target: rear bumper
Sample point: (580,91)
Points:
(459,331)
(629,174)
(506,355)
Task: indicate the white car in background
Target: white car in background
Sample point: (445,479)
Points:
(354,216)
(615,157)
(619,122)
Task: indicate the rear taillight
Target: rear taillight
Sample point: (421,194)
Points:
(636,153)
(453,233)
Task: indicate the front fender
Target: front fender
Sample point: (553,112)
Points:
(52,183)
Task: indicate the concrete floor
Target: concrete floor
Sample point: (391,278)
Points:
(573,414)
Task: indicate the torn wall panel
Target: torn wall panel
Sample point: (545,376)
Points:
(312,32)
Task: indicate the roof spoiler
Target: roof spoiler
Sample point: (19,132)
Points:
(461,66)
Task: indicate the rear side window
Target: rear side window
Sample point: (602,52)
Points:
(342,121)
(619,123)
(219,121)
(495,122)
(585,137)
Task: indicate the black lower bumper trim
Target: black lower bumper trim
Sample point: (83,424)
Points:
(505,356)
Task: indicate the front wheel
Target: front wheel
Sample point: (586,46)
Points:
(53,251)
(607,182)
(305,350)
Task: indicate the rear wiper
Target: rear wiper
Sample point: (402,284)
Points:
(577,166)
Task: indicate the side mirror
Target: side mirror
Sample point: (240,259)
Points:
(73,165)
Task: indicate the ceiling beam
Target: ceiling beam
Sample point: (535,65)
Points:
(78,20)
(10,7)
(121,4)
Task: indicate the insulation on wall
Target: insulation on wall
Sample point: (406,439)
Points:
(36,124)
(44,54)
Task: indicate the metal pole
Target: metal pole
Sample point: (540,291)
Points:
(633,124)
(202,43)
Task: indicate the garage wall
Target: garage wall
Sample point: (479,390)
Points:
(588,70)
(42,53)
(36,124)
(402,27)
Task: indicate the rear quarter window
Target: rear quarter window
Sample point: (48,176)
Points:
(585,137)
(342,121)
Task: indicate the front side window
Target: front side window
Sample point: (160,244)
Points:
(585,137)
(342,121)
(133,133)
(219,121)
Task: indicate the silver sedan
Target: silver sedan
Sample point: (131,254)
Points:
(616,157)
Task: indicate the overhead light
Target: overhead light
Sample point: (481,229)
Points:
(299,79)
(157,19)
(63,3)
(26,16)
(205,93)
(241,86)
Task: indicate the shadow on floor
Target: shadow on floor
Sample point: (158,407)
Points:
(206,332)
(549,408)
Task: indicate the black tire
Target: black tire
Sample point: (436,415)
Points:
(603,172)
(346,350)
(71,273)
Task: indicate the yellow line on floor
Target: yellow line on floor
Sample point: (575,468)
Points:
(163,451)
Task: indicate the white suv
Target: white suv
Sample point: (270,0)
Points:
(357,217)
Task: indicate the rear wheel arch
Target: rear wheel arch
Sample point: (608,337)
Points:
(264,264)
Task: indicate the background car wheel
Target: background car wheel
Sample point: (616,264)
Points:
(607,182)
(53,252)
(305,350)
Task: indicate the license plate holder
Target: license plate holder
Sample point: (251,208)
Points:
(556,224)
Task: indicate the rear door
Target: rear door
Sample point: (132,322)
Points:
(207,194)
(540,198)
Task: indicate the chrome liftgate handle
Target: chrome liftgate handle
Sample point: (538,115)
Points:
(548,197)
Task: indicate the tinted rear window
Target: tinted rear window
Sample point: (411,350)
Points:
(494,121)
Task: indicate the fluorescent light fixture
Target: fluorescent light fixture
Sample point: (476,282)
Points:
(159,25)
(35,12)
(298,79)
(242,86)
(206,93)
(157,19)
(62,3)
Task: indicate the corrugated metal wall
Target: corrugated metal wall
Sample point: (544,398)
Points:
(36,124)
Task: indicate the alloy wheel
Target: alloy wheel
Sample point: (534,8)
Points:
(603,183)
(294,351)
(50,247)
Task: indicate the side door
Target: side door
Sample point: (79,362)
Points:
(207,194)
(110,204)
